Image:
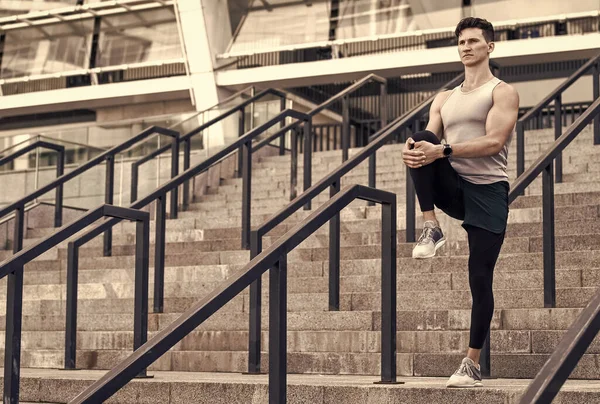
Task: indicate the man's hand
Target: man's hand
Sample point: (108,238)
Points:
(412,158)
(431,152)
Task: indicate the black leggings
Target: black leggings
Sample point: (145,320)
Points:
(440,185)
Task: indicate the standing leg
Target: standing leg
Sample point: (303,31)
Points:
(484,248)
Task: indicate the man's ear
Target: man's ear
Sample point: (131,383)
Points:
(491,47)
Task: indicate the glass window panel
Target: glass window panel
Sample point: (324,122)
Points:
(139,37)
(47,49)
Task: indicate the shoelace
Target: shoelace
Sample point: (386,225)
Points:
(465,369)
(426,233)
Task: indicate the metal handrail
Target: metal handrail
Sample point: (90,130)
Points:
(158,195)
(578,338)
(60,169)
(332,180)
(556,96)
(419,33)
(13,268)
(274,260)
(109,157)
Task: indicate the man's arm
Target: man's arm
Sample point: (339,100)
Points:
(499,125)
(413,158)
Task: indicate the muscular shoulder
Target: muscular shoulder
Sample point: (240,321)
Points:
(506,94)
(439,99)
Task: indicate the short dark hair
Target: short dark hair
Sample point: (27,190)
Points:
(472,22)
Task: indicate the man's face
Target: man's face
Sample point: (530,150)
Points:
(472,47)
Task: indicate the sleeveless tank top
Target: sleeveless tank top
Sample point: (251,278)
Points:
(463,117)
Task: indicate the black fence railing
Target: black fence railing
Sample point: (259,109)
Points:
(274,260)
(581,334)
(13,268)
(331,181)
(556,96)
(60,169)
(108,157)
(545,119)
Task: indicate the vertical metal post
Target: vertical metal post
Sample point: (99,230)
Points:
(134,182)
(294,165)
(174,172)
(95,43)
(254,336)
(520,148)
(14,311)
(557,134)
(345,138)
(410,207)
(159,253)
(2,42)
(334,254)
(108,199)
(58,201)
(388,292)
(549,250)
(282,102)
(142,251)
(307,159)
(278,332)
(596,94)
(241,131)
(246,193)
(71,314)
(485,358)
(187,151)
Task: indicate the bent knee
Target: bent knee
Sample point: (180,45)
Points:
(426,136)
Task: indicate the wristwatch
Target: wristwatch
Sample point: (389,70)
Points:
(447,150)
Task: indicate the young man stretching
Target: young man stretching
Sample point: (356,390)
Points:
(466,176)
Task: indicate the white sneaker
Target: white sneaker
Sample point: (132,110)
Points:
(467,375)
(430,241)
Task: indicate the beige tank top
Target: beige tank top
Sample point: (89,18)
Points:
(463,116)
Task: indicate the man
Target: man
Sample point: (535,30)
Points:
(466,176)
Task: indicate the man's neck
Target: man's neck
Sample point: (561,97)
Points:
(476,76)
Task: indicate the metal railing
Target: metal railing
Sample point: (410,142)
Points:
(274,260)
(60,169)
(545,119)
(331,181)
(578,338)
(556,97)
(107,157)
(13,269)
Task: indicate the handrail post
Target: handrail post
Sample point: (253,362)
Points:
(142,251)
(108,199)
(557,134)
(187,151)
(282,103)
(14,311)
(549,240)
(134,182)
(241,131)
(294,165)
(334,254)
(307,159)
(345,137)
(596,92)
(520,148)
(388,292)
(159,253)
(71,314)
(278,332)
(246,193)
(254,334)
(410,207)
(174,172)
(58,202)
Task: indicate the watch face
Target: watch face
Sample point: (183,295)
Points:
(447,150)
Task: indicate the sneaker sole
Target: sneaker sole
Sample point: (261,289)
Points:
(465,386)
(439,245)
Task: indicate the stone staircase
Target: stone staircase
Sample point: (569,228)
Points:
(335,353)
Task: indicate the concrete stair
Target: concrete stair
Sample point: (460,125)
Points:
(203,249)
